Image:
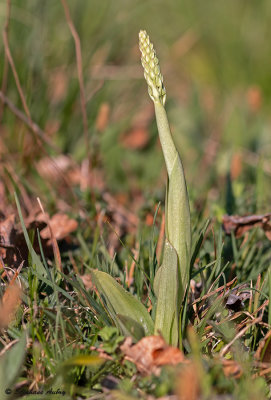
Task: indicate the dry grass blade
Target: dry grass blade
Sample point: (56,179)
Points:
(13,68)
(263,352)
(9,60)
(226,348)
(220,289)
(79,72)
(5,71)
(28,121)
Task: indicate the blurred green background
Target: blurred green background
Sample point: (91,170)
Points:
(215,59)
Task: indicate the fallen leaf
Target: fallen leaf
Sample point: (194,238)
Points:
(6,228)
(136,139)
(150,353)
(236,165)
(232,369)
(52,126)
(11,300)
(168,355)
(239,225)
(102,117)
(188,383)
(52,169)
(254,98)
(7,232)
(58,84)
(149,219)
(13,248)
(3,199)
(61,226)
(87,281)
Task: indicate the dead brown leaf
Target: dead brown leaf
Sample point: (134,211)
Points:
(168,355)
(6,228)
(61,226)
(236,165)
(58,84)
(3,199)
(7,236)
(102,117)
(52,126)
(149,219)
(87,281)
(11,300)
(135,139)
(254,98)
(52,169)
(188,383)
(13,248)
(150,353)
(232,369)
(240,225)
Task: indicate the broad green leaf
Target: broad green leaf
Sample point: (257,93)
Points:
(166,289)
(119,301)
(132,327)
(178,221)
(156,281)
(178,229)
(10,365)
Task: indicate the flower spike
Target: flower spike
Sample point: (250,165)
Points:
(151,67)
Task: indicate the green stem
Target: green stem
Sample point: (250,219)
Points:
(165,136)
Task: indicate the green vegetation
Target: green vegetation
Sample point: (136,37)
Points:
(100,256)
(171,280)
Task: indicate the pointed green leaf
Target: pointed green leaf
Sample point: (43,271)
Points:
(119,301)
(157,280)
(11,363)
(132,327)
(178,221)
(166,286)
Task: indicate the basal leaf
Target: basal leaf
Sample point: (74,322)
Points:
(132,327)
(166,288)
(178,222)
(11,363)
(119,301)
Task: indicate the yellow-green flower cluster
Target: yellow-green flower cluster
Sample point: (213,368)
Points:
(151,67)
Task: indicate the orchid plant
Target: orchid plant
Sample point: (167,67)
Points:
(172,277)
